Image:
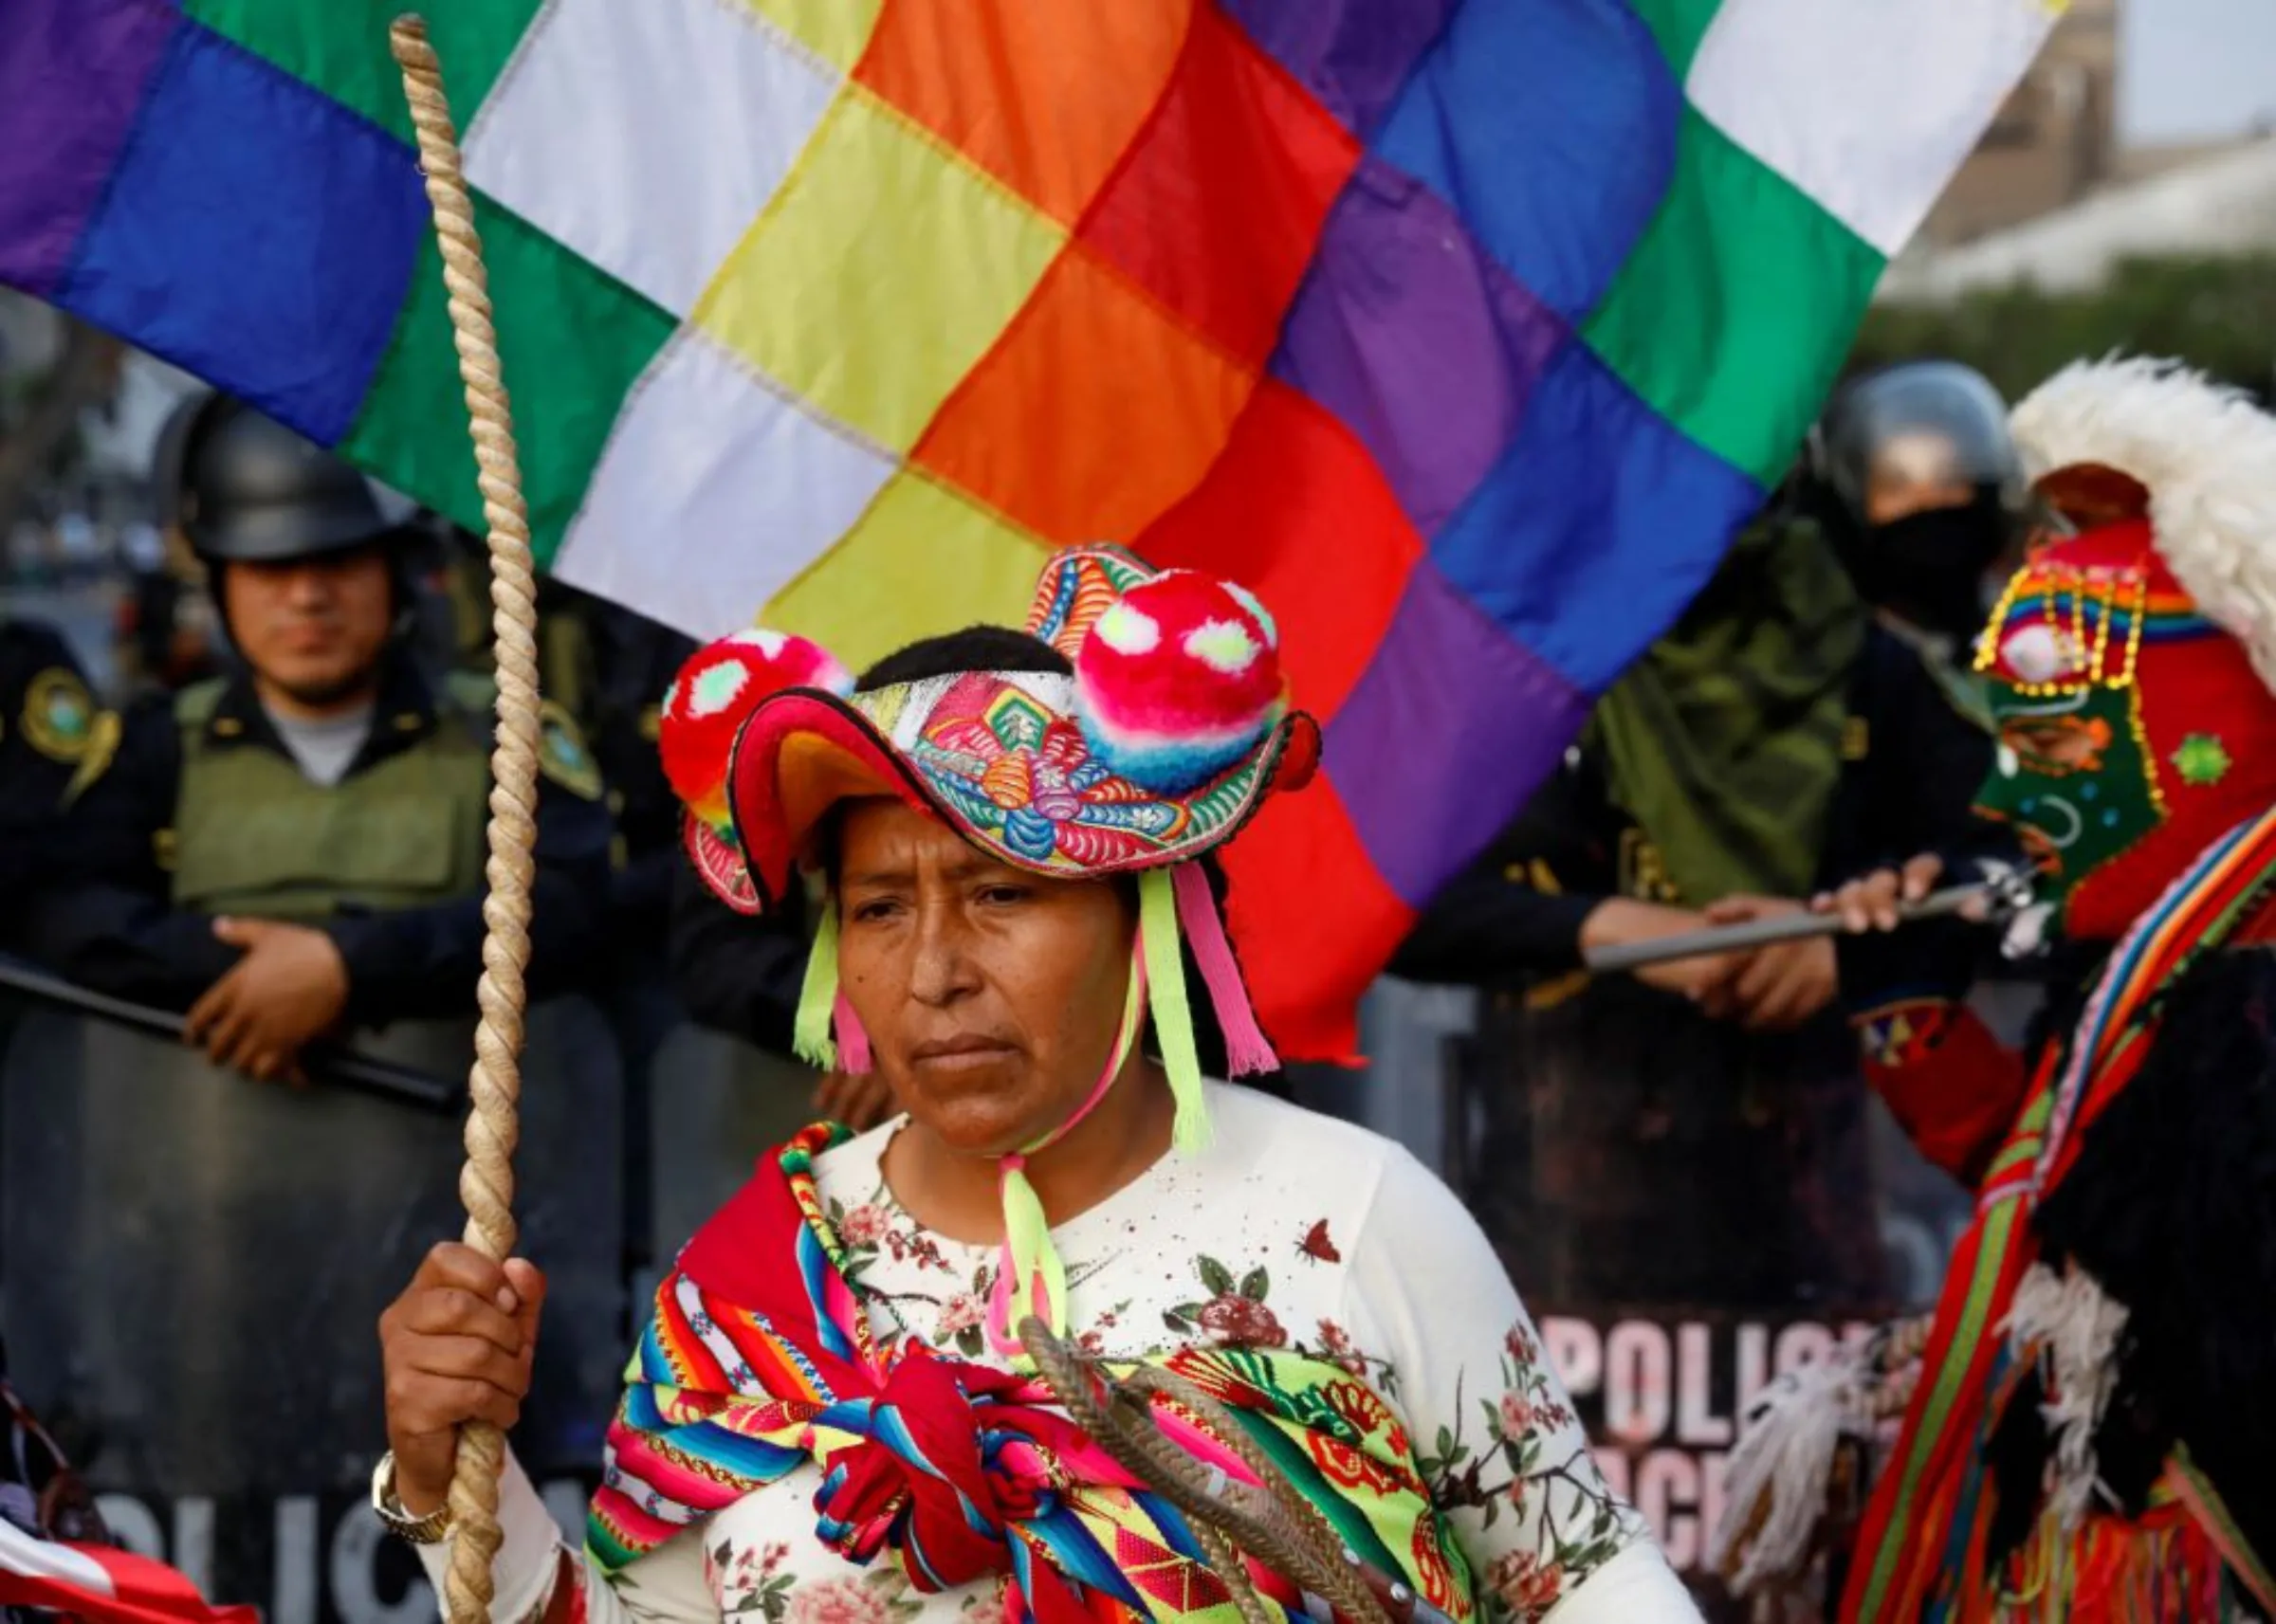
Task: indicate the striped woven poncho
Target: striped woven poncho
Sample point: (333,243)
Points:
(1926,1550)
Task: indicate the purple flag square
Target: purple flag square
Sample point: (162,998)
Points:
(1443,739)
(1423,346)
(1354,55)
(72,80)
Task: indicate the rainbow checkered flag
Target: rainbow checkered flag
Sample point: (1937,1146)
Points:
(1465,333)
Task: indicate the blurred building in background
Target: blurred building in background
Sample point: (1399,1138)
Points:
(2213,200)
(2054,141)
(2056,151)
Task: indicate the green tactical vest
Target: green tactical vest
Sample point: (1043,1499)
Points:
(253,836)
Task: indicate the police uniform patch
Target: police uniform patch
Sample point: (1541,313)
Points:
(102,744)
(59,715)
(562,753)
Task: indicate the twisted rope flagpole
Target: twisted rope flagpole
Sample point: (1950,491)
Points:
(486,1182)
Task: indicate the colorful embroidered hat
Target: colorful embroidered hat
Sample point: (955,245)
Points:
(1169,733)
(2131,658)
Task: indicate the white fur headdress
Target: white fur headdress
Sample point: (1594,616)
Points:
(2206,456)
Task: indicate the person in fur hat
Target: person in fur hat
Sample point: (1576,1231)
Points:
(2088,1418)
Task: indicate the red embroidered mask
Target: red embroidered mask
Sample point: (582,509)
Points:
(2134,732)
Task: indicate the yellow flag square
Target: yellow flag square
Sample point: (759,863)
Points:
(836,30)
(880,273)
(924,560)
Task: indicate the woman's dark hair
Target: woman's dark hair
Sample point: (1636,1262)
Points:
(975,649)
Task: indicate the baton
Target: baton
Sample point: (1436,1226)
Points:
(1784,928)
(345,1067)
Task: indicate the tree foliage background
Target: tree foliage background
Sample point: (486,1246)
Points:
(2216,314)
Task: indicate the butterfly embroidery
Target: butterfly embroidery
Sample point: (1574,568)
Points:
(1316,1246)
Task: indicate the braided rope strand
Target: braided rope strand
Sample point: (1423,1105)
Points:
(486,1181)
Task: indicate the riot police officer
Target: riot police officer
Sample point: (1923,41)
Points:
(1917,485)
(299,845)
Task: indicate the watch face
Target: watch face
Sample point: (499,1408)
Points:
(424,1530)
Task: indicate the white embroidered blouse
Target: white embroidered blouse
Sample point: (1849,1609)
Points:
(1292,1229)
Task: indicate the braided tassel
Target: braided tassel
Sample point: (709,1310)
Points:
(1030,1277)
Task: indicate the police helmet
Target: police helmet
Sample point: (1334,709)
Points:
(241,487)
(1913,436)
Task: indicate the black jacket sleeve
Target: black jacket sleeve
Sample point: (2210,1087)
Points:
(1514,914)
(1915,795)
(1487,929)
(1945,759)
(118,932)
(1917,790)
(421,963)
(735,974)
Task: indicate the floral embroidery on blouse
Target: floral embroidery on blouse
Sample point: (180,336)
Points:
(879,1227)
(879,1596)
(1233,1315)
(1579,1525)
(985,1605)
(1238,1314)
(758,1580)
(750,1578)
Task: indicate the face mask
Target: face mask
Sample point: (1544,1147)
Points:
(1929,567)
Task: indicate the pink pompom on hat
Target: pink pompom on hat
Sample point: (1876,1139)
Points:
(1178,680)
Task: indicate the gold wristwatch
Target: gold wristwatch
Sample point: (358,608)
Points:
(428,1530)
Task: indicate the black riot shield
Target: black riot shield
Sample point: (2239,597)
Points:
(1684,1208)
(192,1266)
(1689,1211)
